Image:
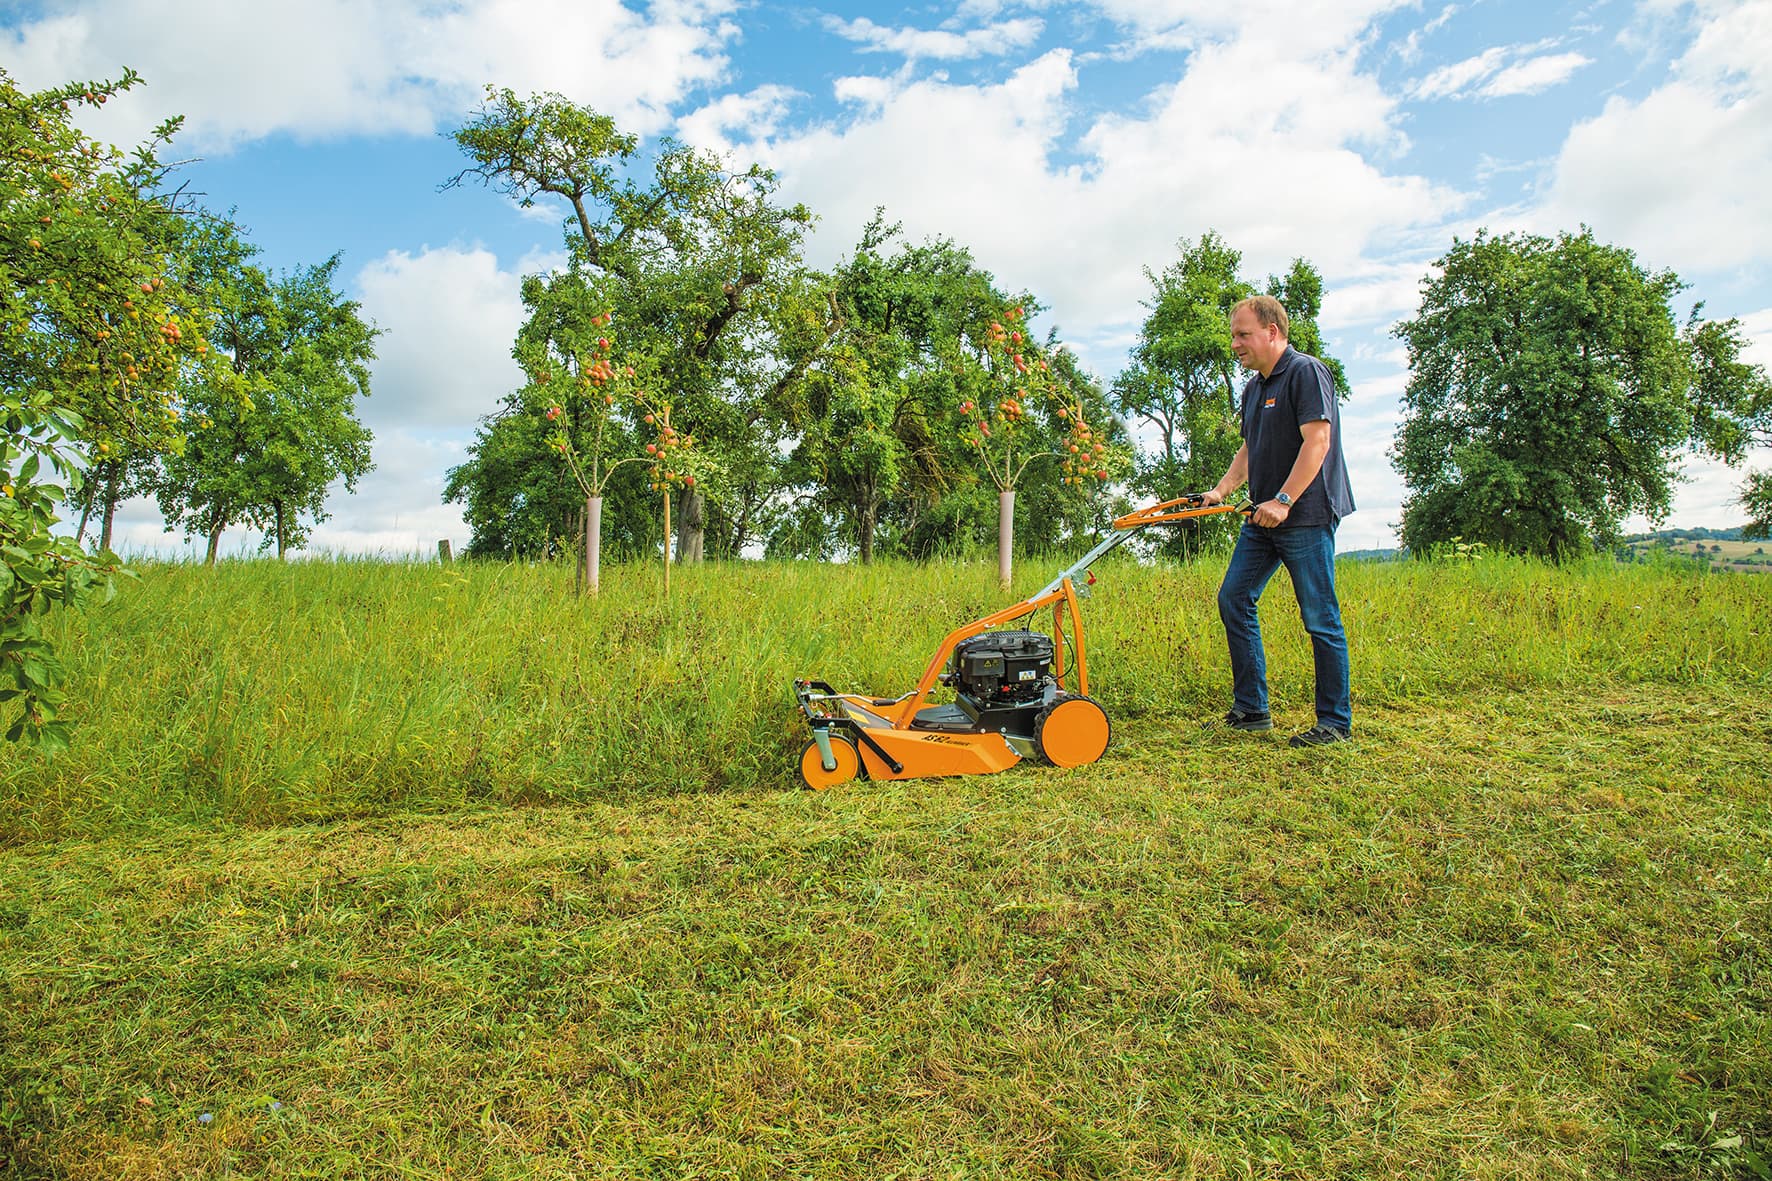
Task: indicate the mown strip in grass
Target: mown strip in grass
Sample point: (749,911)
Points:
(1504,934)
(267,693)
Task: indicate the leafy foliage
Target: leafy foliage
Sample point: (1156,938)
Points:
(1184,381)
(691,261)
(265,445)
(874,382)
(1756,497)
(914,393)
(1551,392)
(1731,410)
(93,333)
(38,571)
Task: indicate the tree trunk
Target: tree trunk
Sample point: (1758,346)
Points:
(215,541)
(282,534)
(868,517)
(1005,537)
(108,503)
(742,527)
(692,528)
(85,515)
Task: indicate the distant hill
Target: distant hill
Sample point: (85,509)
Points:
(1688,535)
(1715,549)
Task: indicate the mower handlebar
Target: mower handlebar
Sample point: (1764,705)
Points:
(1167,512)
(1182,508)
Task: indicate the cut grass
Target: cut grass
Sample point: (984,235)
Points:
(1502,934)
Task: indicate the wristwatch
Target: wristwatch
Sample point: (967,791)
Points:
(1283,499)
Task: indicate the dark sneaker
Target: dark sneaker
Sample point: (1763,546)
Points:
(1238,720)
(1319,735)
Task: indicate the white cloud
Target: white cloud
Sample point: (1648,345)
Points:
(1458,77)
(1330,26)
(1491,74)
(1408,50)
(447,318)
(1756,327)
(993,142)
(1535,75)
(994,40)
(1368,425)
(1078,231)
(1376,299)
(752,117)
(398,508)
(319,68)
(1682,174)
(1076,216)
(866,90)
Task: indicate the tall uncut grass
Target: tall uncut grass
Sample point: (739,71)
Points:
(263,692)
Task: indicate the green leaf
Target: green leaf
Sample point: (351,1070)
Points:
(53,738)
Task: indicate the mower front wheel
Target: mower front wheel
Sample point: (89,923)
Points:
(843,753)
(1072,731)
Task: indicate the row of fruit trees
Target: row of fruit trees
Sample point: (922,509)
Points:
(1018,374)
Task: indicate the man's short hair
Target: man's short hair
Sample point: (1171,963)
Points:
(1268,311)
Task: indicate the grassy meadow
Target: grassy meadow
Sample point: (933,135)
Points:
(403,870)
(1739,557)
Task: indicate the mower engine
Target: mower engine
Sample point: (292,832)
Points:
(1002,668)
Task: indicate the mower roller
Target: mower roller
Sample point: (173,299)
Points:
(1018,693)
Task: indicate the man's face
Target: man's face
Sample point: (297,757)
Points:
(1256,345)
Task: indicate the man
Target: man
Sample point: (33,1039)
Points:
(1291,456)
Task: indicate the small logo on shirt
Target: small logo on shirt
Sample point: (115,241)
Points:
(1267,405)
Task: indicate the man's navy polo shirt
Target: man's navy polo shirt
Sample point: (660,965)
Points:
(1299,390)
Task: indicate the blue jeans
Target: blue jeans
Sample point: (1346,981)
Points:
(1308,553)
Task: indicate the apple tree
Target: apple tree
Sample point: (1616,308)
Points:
(870,389)
(690,254)
(591,388)
(1023,410)
(93,333)
(563,452)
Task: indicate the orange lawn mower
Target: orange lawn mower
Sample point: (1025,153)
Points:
(1018,693)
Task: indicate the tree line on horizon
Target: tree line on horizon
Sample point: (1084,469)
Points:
(1553,389)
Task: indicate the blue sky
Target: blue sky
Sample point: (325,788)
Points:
(1069,145)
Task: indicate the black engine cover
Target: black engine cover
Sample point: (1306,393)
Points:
(1002,668)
